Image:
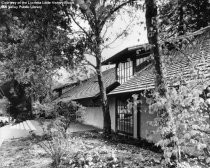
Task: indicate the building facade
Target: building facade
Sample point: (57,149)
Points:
(134,73)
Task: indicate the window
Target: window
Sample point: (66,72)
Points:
(124,71)
(141,60)
(124,118)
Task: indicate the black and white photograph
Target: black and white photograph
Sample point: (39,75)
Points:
(104,83)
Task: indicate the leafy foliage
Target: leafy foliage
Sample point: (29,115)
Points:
(34,44)
(182,121)
(84,146)
(19,113)
(69,112)
(4,103)
(183,107)
(93,19)
(181,17)
(66,111)
(44,109)
(55,139)
(53,142)
(18,104)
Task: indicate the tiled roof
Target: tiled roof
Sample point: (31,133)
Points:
(144,49)
(61,86)
(90,87)
(190,64)
(145,79)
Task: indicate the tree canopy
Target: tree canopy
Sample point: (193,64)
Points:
(181,16)
(93,20)
(34,43)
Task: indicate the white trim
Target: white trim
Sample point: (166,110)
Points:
(21,126)
(30,125)
(1,141)
(26,126)
(131,90)
(135,129)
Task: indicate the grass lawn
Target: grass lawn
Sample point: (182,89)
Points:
(85,150)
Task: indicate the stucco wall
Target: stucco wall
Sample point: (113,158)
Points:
(145,128)
(94,115)
(112,108)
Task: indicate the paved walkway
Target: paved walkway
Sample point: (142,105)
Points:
(22,129)
(16,131)
(78,127)
(26,125)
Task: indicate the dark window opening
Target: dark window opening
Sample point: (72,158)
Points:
(124,118)
(141,60)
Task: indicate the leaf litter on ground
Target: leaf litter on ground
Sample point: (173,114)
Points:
(86,150)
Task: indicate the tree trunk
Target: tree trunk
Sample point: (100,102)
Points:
(152,30)
(181,19)
(152,33)
(104,100)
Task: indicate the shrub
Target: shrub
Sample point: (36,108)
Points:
(69,112)
(53,141)
(182,121)
(4,103)
(46,110)
(3,123)
(19,112)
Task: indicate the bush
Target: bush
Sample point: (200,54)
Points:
(46,110)
(53,141)
(69,112)
(183,123)
(3,123)
(4,103)
(182,120)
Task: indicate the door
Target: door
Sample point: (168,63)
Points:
(124,118)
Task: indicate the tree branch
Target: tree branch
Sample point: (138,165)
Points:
(90,22)
(78,24)
(113,11)
(89,63)
(119,35)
